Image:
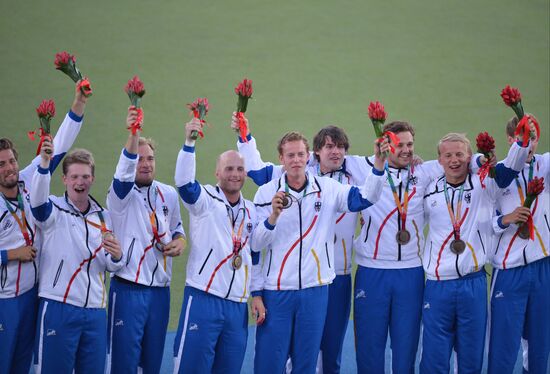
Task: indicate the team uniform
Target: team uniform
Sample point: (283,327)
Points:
(18,280)
(389,282)
(139,295)
(72,323)
(520,289)
(213,326)
(455,295)
(339,291)
(299,264)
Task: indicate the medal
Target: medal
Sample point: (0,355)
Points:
(523,231)
(236,262)
(403,237)
(107,235)
(458,246)
(159,246)
(286,202)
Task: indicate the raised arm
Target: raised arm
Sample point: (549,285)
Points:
(41,205)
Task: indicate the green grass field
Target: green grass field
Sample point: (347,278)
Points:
(438,64)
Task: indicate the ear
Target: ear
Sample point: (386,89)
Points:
(281,159)
(511,140)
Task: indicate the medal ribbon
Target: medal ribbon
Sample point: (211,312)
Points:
(237,243)
(101,226)
(402,209)
(153,216)
(455,217)
(22,223)
(529,222)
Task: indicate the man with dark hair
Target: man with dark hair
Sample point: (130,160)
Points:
(299,254)
(71,335)
(19,244)
(520,289)
(146,219)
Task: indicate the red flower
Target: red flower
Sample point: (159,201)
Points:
(535,186)
(510,95)
(135,85)
(46,109)
(485,143)
(62,59)
(201,104)
(244,88)
(377,112)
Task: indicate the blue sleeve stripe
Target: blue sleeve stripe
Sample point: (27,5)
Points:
(261,176)
(42,170)
(255,258)
(190,192)
(268,225)
(256,293)
(248,137)
(42,212)
(375,171)
(188,148)
(4,256)
(478,161)
(356,202)
(56,159)
(131,156)
(500,224)
(504,175)
(122,189)
(75,117)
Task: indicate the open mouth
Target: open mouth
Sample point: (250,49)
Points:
(79,189)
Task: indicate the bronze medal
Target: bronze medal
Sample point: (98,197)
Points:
(286,202)
(403,237)
(236,262)
(159,246)
(523,231)
(107,235)
(458,246)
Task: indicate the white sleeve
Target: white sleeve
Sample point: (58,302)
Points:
(41,205)
(191,192)
(264,233)
(123,182)
(259,171)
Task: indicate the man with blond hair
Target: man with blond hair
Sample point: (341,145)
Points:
(459,213)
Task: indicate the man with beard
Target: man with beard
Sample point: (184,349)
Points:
(146,219)
(459,213)
(19,244)
(213,326)
(78,248)
(520,289)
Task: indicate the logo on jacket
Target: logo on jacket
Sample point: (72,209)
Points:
(165,210)
(50,332)
(249,227)
(434,203)
(119,322)
(360,294)
(7,224)
(193,327)
(413,180)
(317,206)
(499,294)
(506,192)
(468,197)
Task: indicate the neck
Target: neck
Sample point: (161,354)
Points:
(455,180)
(232,197)
(325,170)
(81,204)
(296,182)
(10,193)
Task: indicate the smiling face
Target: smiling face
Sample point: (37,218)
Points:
(78,180)
(331,155)
(454,157)
(293,157)
(145,173)
(9,170)
(404,151)
(230,172)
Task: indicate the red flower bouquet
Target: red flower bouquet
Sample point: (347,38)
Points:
(486,145)
(135,90)
(378,115)
(45,112)
(244,92)
(199,109)
(512,98)
(534,188)
(66,63)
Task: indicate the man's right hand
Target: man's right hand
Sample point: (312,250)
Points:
(46,152)
(519,215)
(79,102)
(193,125)
(132,116)
(24,253)
(277,206)
(235,123)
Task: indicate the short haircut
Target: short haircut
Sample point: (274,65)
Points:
(292,136)
(6,144)
(455,137)
(336,134)
(78,156)
(512,124)
(150,142)
(399,126)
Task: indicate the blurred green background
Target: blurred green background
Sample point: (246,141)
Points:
(438,64)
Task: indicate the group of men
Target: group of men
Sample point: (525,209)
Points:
(290,250)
